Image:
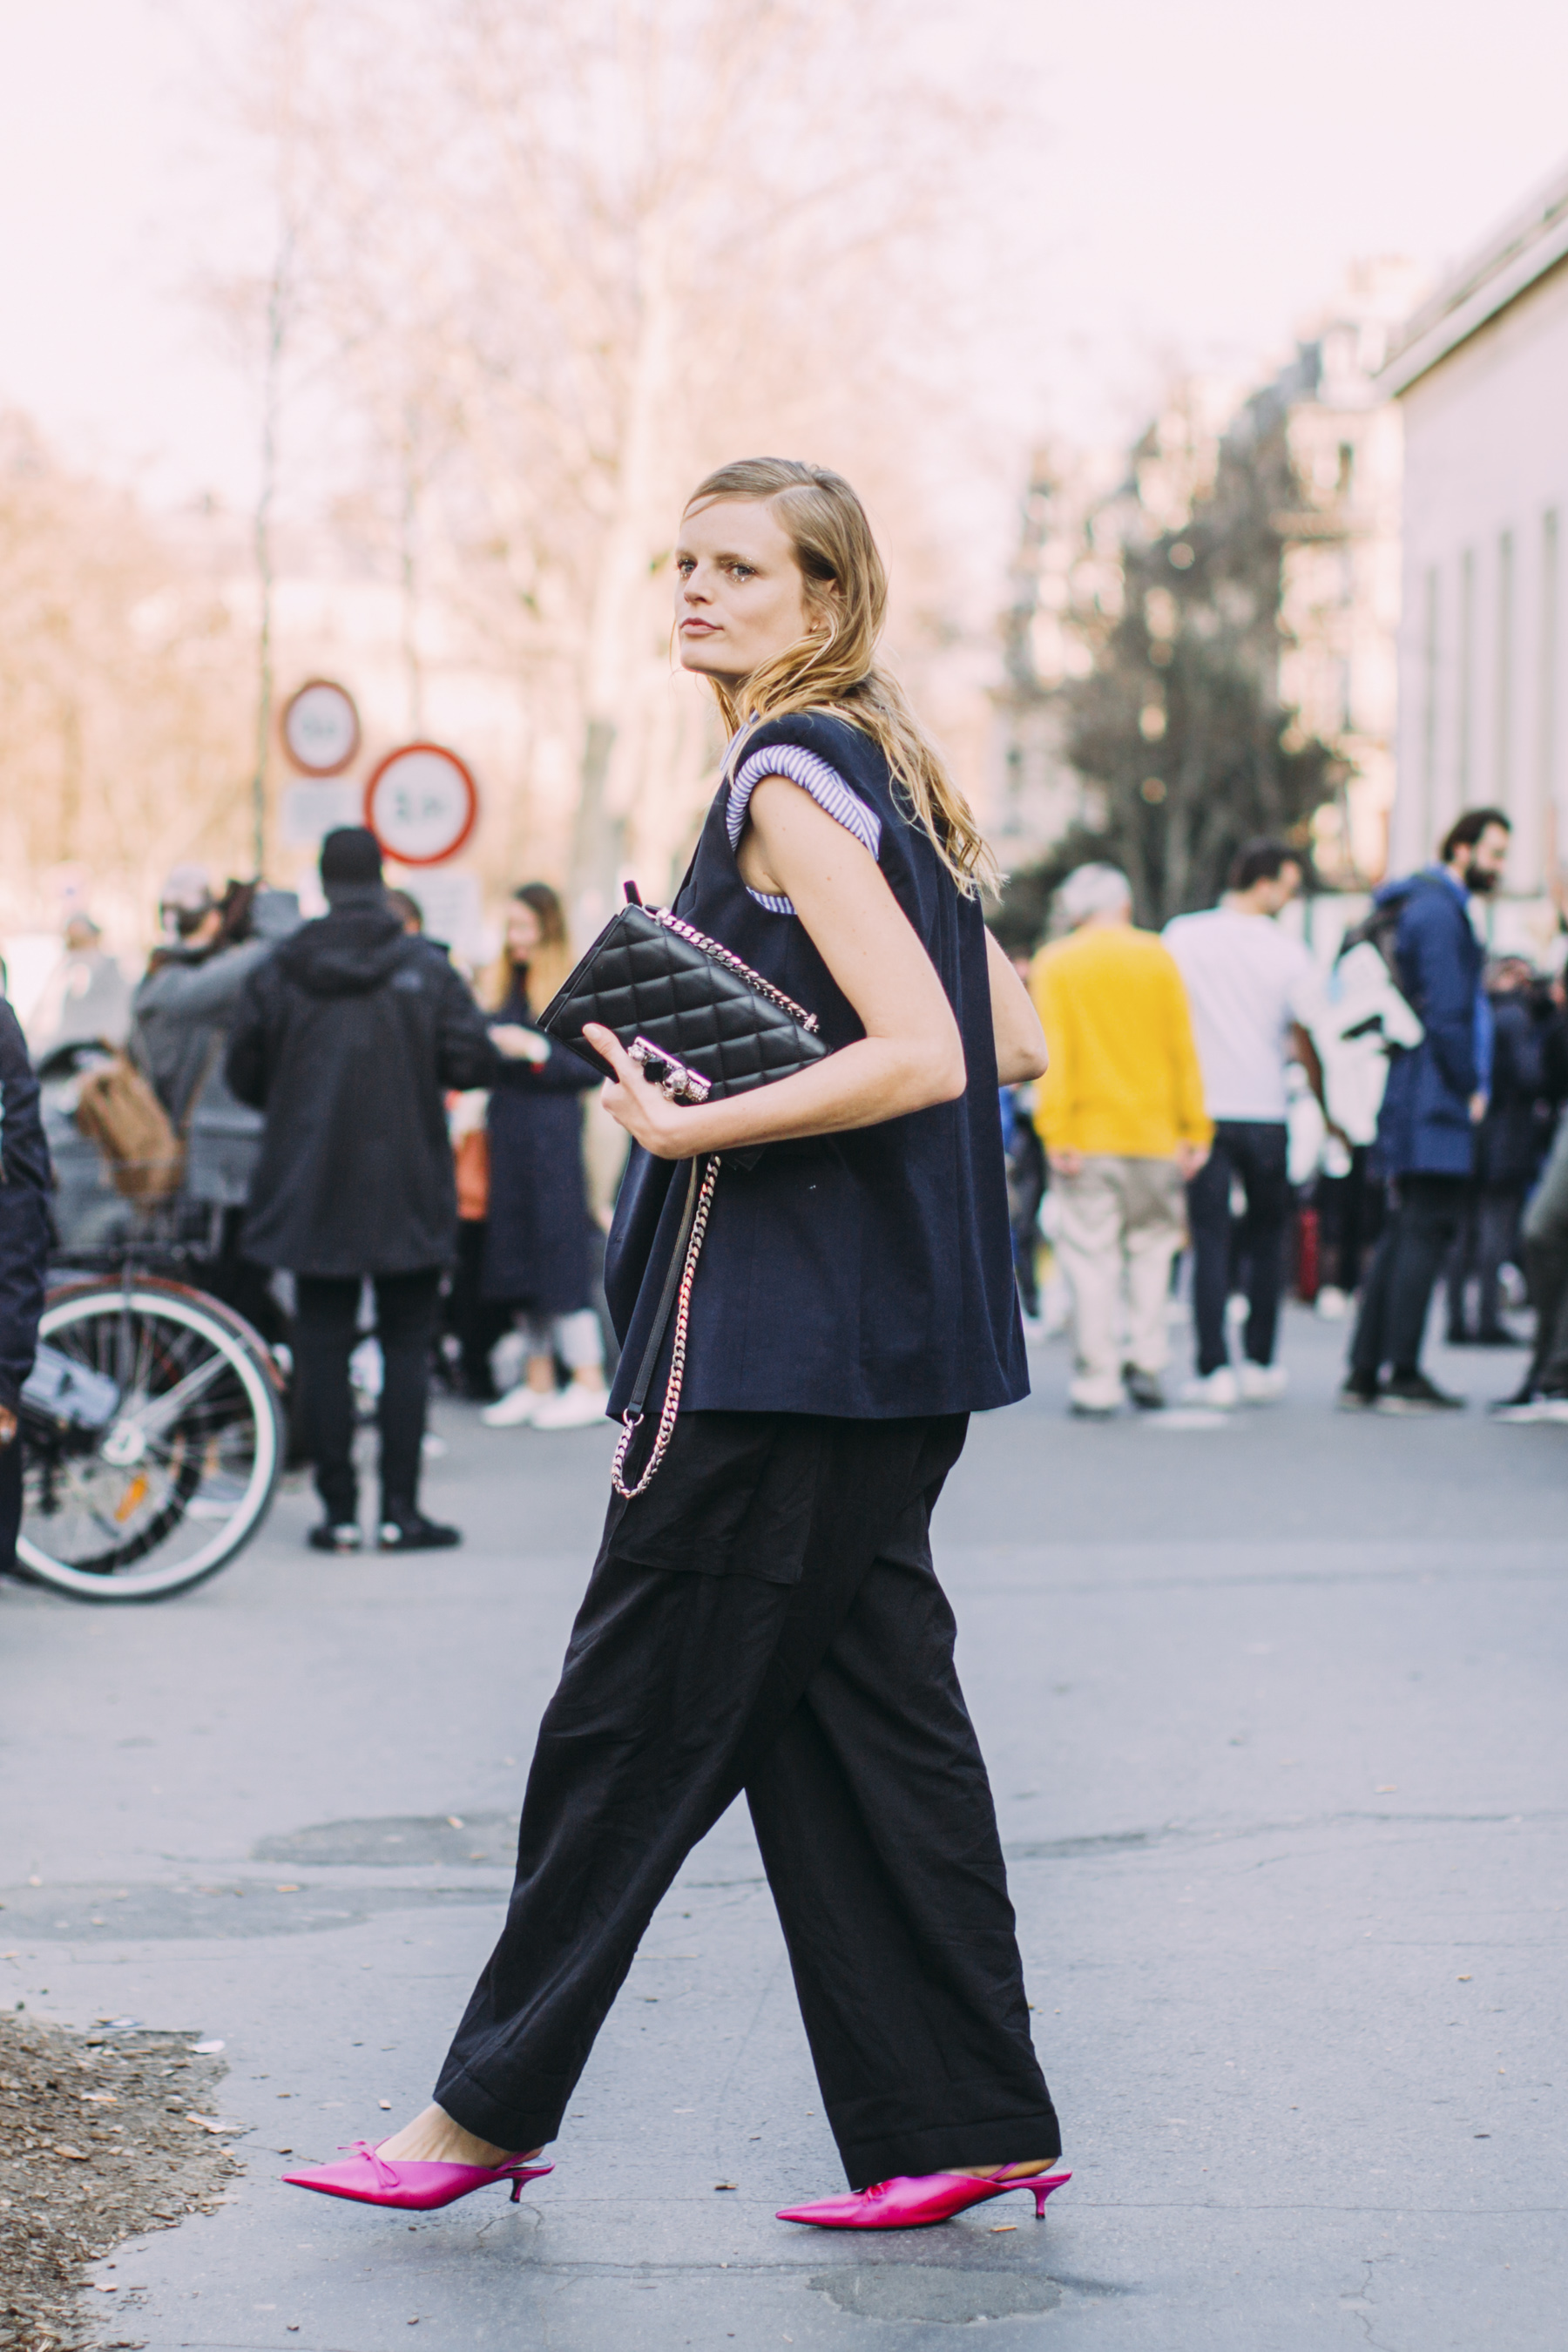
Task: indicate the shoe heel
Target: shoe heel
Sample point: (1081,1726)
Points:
(517,2191)
(1043,2189)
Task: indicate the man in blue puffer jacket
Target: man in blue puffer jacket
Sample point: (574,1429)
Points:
(1436,1099)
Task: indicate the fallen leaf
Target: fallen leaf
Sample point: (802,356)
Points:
(285,1890)
(1000,2229)
(387,2104)
(1466,1979)
(76,2155)
(211,2123)
(284,2151)
(106,2286)
(736,2184)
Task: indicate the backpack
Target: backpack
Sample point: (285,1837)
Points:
(1379,929)
(118,1110)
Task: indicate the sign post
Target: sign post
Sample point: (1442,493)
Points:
(421,803)
(320,727)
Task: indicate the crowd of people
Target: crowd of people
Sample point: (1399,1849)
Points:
(383,1148)
(374,1150)
(1379,1127)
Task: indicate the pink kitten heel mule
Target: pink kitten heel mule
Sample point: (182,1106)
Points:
(370,2178)
(913,2201)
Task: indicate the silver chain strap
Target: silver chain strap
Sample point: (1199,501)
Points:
(731,962)
(632,1422)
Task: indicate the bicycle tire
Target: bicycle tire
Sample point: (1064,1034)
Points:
(233,1444)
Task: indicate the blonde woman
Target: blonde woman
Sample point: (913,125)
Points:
(536,1262)
(763,1616)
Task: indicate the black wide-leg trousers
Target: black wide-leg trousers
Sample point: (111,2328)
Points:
(769,1619)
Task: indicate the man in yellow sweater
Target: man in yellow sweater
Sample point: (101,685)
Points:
(1120,1113)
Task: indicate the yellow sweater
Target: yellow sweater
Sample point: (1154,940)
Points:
(1124,1071)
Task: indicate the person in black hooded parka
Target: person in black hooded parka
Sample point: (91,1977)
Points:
(348,1038)
(25,1185)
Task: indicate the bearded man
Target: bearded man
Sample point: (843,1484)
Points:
(1435,1102)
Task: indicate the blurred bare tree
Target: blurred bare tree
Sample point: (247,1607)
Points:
(565,255)
(121,670)
(1171,713)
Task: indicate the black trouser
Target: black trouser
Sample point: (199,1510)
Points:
(803,1653)
(240,1283)
(477,1322)
(326,1317)
(1487,1240)
(1350,1217)
(1254,1153)
(1425,1213)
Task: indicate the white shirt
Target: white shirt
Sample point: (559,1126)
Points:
(1246,981)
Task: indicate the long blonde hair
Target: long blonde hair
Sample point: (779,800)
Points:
(835,667)
(547,966)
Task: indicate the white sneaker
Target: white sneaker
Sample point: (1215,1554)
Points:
(1263,1383)
(518,1406)
(571,1408)
(1218,1389)
(1237,1308)
(1333,1305)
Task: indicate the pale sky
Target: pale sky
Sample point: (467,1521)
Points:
(1201,175)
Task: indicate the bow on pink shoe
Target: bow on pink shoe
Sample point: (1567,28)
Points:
(370,2178)
(912,2202)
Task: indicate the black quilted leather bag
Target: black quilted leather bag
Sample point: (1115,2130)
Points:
(702,1024)
(676,998)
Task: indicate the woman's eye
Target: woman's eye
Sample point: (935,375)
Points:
(743,571)
(685,565)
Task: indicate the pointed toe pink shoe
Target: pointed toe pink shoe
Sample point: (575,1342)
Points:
(913,2201)
(370,2178)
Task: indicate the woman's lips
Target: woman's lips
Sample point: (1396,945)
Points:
(698,629)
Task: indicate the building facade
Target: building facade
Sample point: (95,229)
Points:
(1481,377)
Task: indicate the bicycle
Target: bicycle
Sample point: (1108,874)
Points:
(152,1425)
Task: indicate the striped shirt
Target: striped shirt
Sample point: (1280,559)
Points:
(827,788)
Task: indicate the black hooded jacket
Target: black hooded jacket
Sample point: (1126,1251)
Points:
(348,1038)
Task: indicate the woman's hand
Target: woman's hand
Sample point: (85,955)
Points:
(645,1110)
(519,1045)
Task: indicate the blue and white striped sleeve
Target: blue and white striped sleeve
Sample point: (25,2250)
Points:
(826,787)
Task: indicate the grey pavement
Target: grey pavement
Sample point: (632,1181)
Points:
(1274,1712)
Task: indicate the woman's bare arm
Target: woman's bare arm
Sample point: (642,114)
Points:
(1014,1024)
(911,1054)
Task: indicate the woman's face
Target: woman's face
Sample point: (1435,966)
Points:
(740,598)
(522,931)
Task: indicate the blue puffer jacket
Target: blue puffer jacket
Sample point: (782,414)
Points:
(1425,1126)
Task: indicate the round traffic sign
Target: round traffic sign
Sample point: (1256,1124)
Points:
(321,728)
(421,803)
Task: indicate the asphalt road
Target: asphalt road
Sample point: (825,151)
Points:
(1274,1711)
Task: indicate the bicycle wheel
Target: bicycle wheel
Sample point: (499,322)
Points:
(182,1475)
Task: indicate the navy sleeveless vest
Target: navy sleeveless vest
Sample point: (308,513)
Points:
(866,1274)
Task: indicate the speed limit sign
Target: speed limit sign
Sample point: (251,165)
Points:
(321,728)
(421,803)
